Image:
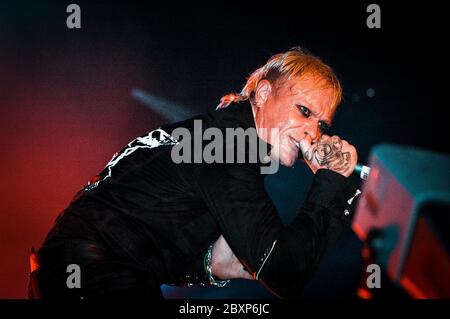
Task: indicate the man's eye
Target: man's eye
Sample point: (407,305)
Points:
(324,127)
(305,111)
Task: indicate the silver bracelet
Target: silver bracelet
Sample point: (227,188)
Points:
(207,263)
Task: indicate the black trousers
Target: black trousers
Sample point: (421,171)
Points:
(101,273)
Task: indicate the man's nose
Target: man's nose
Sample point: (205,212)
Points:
(312,129)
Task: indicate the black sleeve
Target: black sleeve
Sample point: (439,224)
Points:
(282,258)
(194,274)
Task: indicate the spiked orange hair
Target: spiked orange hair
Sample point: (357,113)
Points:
(283,66)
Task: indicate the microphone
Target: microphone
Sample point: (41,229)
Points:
(362,170)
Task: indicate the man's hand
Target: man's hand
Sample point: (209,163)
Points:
(225,264)
(330,153)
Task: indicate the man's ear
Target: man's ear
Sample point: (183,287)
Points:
(262,92)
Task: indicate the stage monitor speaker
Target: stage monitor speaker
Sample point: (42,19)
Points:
(406,203)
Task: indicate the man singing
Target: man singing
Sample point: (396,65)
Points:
(148,219)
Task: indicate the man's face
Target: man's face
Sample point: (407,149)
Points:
(299,109)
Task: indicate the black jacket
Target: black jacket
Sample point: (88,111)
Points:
(163,216)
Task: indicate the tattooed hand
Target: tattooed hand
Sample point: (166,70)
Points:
(330,153)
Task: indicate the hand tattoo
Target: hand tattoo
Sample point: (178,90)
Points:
(309,155)
(328,153)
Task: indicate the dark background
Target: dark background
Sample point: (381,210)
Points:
(66,104)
